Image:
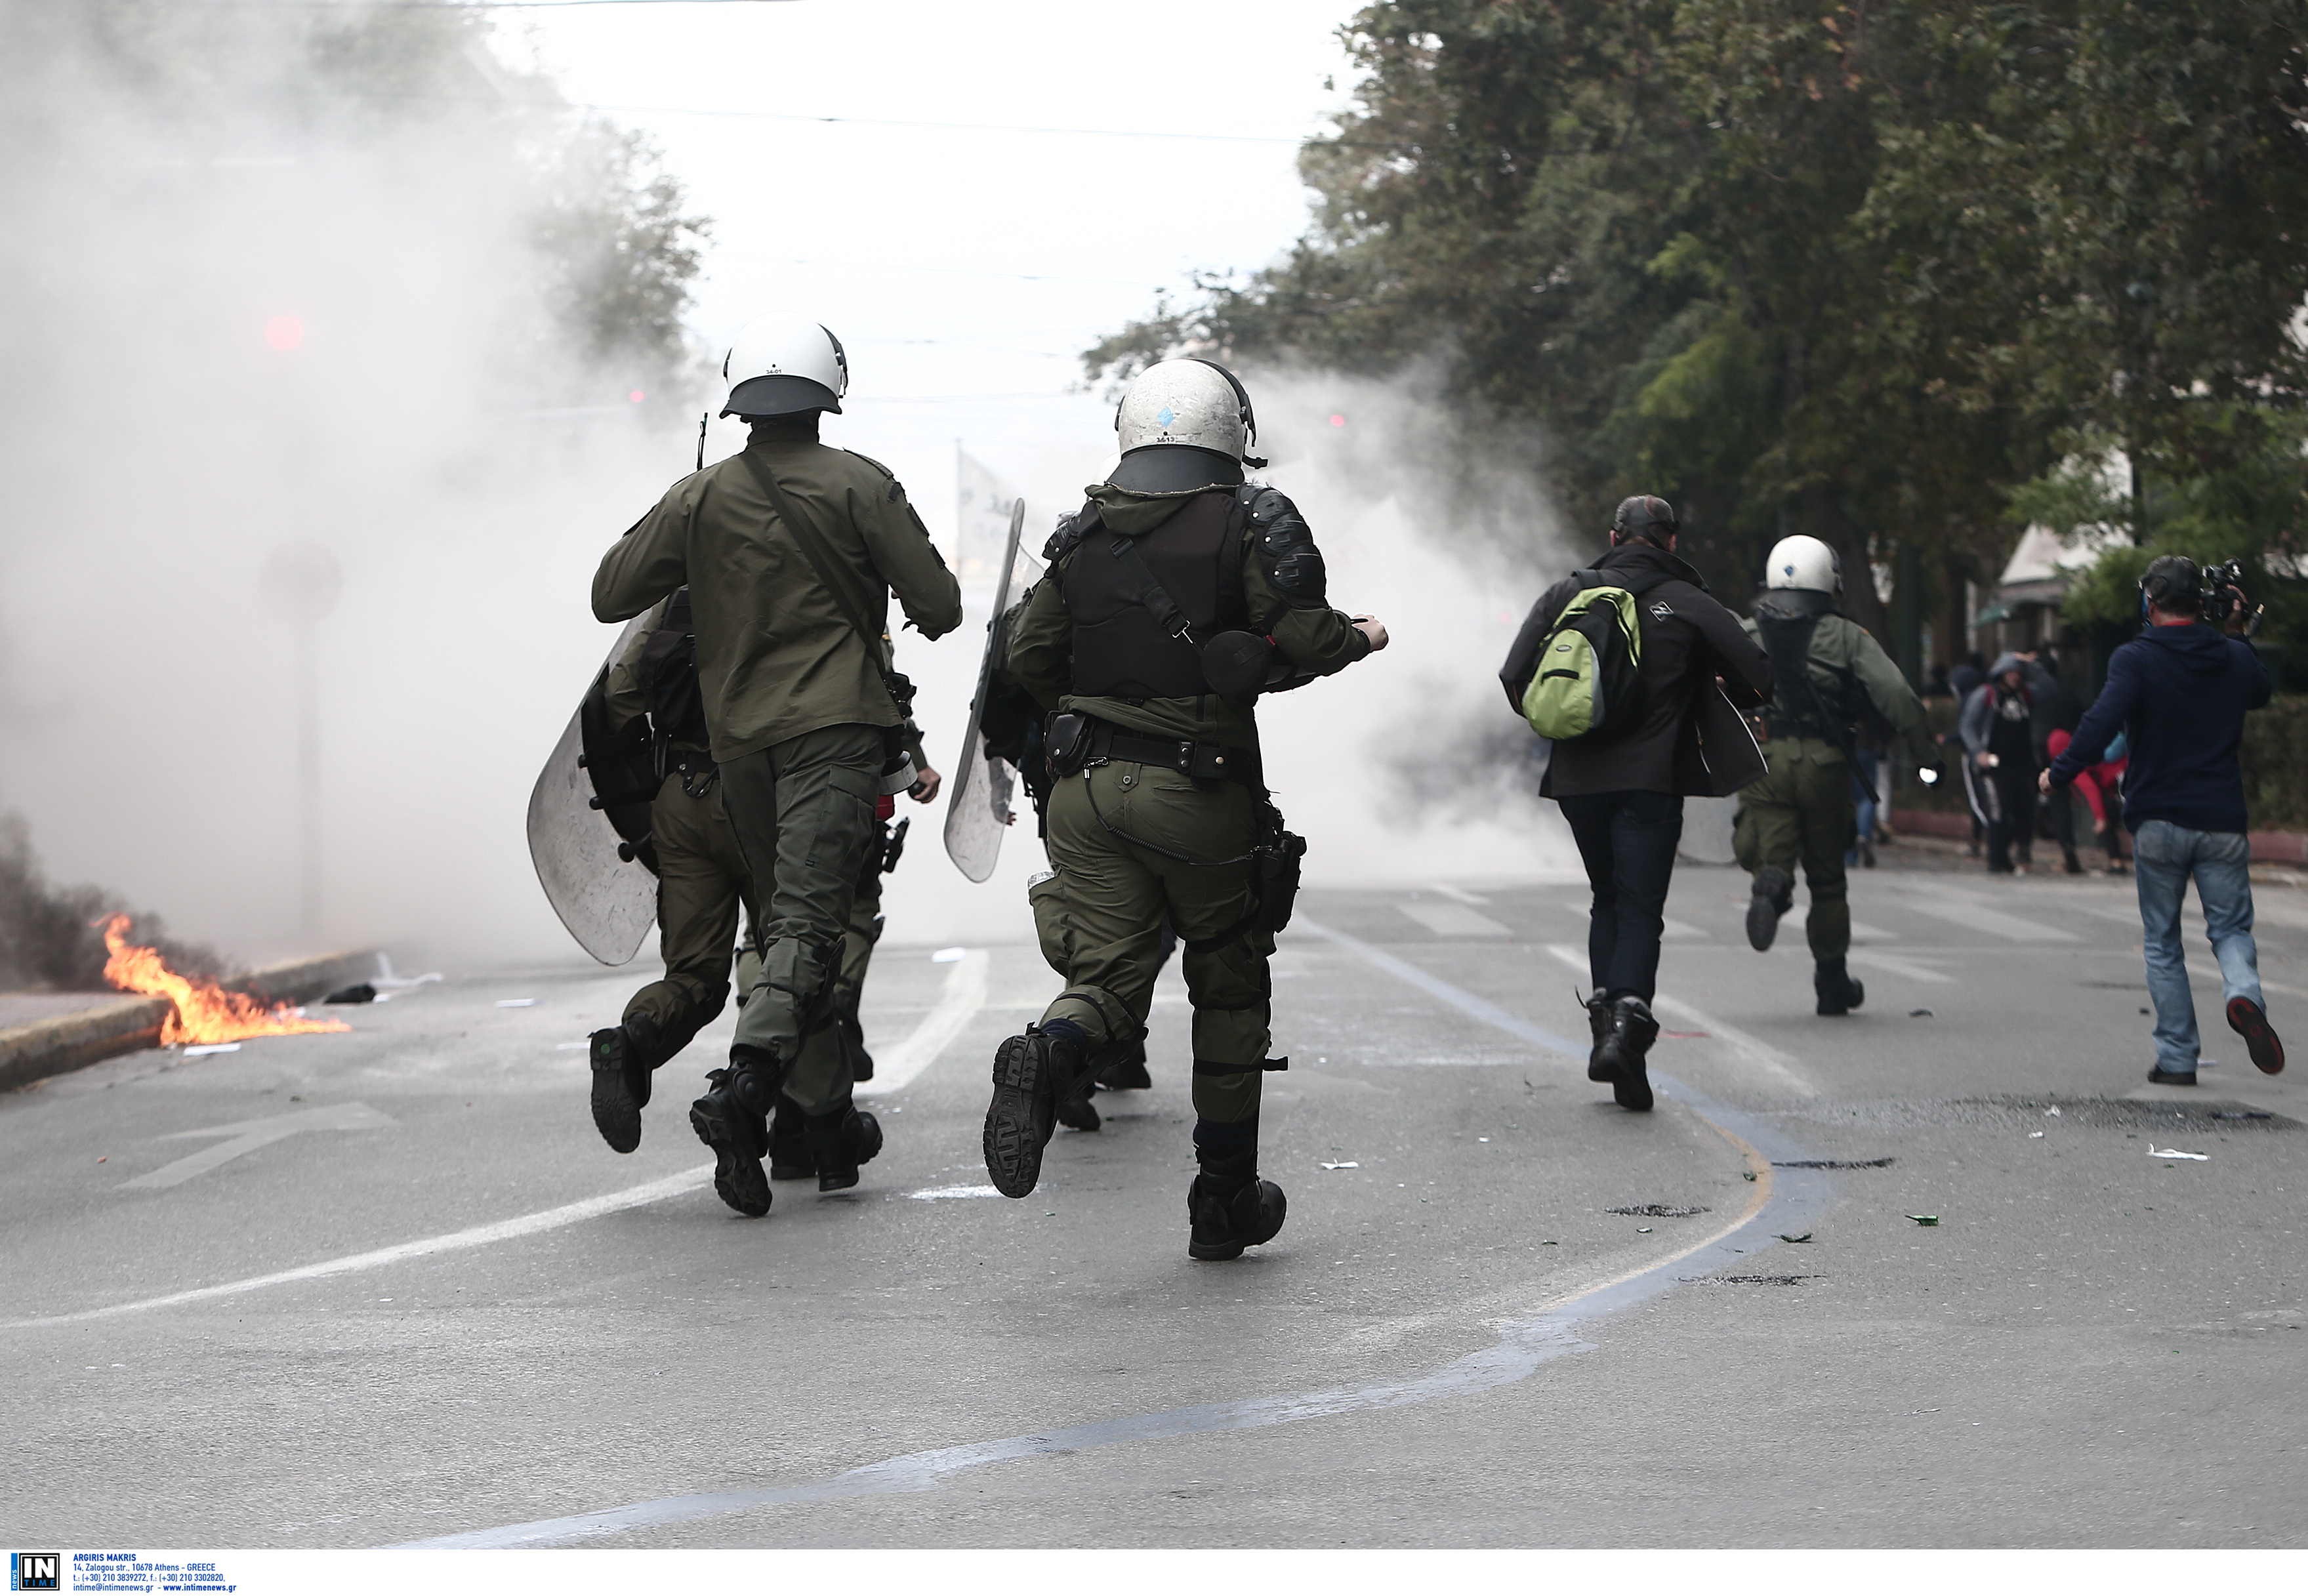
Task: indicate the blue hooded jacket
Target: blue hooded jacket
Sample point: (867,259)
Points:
(2180,693)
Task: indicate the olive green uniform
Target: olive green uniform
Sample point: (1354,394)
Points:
(1100,913)
(794,701)
(857,942)
(701,884)
(1803,808)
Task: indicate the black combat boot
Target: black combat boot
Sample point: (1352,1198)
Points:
(1126,1070)
(853,1037)
(733,1118)
(1032,1075)
(1598,1025)
(1838,993)
(1774,895)
(1621,1052)
(1074,1110)
(623,1057)
(842,1140)
(1230,1208)
(792,1156)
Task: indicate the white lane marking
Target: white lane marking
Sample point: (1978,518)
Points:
(1458,894)
(1974,916)
(939,1194)
(1756,1051)
(1565,1050)
(1784,1199)
(964,995)
(1893,964)
(504,1229)
(249,1135)
(1873,933)
(1753,1049)
(1454,920)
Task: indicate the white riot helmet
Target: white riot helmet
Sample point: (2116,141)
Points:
(1194,404)
(783,364)
(1805,562)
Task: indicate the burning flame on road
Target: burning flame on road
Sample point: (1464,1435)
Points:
(204,1011)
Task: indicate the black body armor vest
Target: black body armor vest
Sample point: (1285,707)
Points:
(1787,618)
(1119,649)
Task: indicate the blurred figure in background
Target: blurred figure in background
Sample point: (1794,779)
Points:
(2056,711)
(2102,786)
(1999,766)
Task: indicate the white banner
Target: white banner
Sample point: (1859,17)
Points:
(982,503)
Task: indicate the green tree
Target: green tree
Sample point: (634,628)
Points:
(1858,269)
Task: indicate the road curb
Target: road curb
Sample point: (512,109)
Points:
(69,1042)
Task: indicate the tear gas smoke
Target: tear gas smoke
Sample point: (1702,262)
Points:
(328,281)
(258,322)
(52,936)
(1406,767)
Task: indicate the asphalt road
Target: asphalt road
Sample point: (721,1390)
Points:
(388,1286)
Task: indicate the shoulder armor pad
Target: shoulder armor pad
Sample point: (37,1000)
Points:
(1071,529)
(1287,554)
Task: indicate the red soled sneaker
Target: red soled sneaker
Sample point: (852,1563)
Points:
(2249,1020)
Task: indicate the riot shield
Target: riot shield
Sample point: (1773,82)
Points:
(979,808)
(586,860)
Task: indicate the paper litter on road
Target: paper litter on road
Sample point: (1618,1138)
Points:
(516,1002)
(1348,1165)
(2052,1113)
(1804,1237)
(2034,1136)
(1925,1218)
(2154,1152)
(384,977)
(949,955)
(212,1047)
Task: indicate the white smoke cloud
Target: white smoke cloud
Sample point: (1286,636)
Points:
(281,324)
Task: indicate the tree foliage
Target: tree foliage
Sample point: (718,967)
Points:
(1862,270)
(110,87)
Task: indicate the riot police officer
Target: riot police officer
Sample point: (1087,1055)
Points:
(651,692)
(1174,597)
(791,550)
(1826,675)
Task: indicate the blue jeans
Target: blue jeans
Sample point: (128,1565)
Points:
(2164,856)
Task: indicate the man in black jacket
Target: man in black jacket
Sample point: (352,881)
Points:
(1623,798)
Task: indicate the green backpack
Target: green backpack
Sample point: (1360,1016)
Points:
(1589,686)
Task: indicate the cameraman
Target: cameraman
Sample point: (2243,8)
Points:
(2180,691)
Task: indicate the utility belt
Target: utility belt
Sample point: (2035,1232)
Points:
(1767,728)
(1078,740)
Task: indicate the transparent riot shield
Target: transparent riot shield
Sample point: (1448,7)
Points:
(606,898)
(978,809)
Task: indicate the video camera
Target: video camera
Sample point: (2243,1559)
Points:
(2222,591)
(2219,590)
